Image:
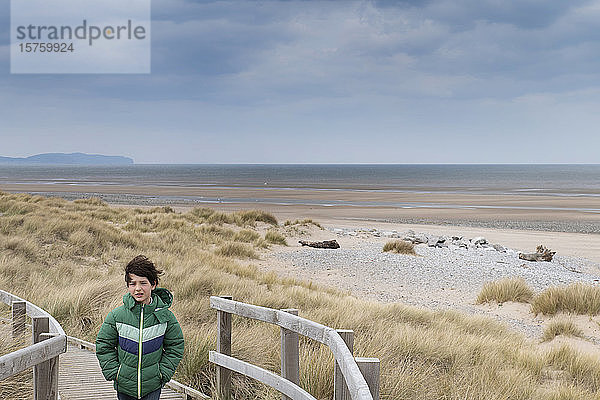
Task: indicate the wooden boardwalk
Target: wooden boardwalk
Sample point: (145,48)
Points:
(80,378)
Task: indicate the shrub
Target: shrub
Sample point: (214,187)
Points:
(576,298)
(508,289)
(561,327)
(400,247)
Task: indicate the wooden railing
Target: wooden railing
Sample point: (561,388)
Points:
(49,341)
(356,379)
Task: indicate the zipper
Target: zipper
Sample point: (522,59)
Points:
(140,354)
(118,371)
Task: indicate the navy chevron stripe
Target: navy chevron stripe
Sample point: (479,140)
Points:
(152,345)
(128,345)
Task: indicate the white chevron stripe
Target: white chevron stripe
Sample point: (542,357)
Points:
(133,333)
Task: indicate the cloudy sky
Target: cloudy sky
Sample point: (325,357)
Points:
(448,81)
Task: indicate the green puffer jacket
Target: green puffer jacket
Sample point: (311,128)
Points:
(151,328)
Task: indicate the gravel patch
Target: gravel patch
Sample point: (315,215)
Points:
(437,278)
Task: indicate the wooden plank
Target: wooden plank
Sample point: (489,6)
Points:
(359,390)
(20,360)
(224,347)
(290,354)
(82,343)
(45,374)
(340,389)
(188,391)
(262,375)
(370,369)
(19,311)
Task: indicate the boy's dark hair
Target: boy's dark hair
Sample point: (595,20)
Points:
(142,266)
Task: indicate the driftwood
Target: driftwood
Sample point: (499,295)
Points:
(541,254)
(326,244)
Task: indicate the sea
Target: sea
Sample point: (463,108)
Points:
(493,179)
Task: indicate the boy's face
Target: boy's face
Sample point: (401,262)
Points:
(140,288)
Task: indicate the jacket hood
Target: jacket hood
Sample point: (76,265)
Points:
(164,296)
(161,299)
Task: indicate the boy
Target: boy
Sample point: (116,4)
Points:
(140,343)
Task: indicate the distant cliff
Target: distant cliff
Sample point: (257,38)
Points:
(71,158)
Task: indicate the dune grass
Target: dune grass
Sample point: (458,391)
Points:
(400,247)
(576,298)
(562,327)
(238,250)
(275,237)
(302,222)
(68,258)
(508,289)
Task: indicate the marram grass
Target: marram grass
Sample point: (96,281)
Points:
(562,327)
(400,247)
(68,258)
(275,237)
(508,289)
(576,298)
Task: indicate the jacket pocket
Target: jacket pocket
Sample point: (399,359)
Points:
(160,376)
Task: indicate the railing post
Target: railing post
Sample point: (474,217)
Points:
(290,354)
(340,389)
(369,368)
(19,310)
(45,374)
(224,347)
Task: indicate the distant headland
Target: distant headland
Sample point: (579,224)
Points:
(67,158)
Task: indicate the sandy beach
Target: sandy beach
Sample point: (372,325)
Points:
(566,224)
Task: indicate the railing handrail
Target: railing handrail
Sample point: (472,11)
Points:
(25,358)
(49,342)
(267,377)
(357,385)
(33,311)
